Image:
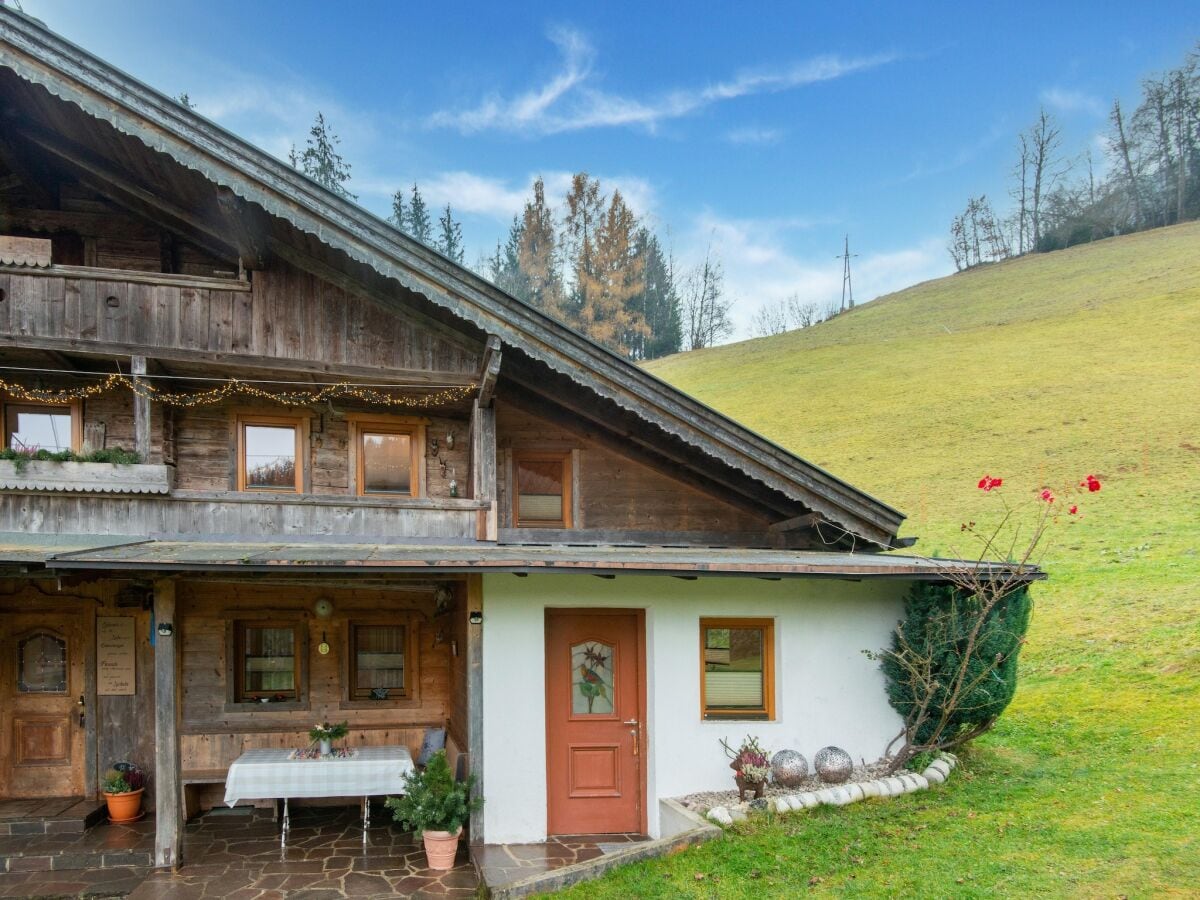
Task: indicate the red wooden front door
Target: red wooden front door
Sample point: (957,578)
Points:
(595,697)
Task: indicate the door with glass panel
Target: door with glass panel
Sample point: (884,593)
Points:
(41,699)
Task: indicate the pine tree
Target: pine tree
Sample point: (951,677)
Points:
(419,225)
(399,216)
(537,255)
(186,101)
(659,301)
(610,281)
(449,242)
(320,160)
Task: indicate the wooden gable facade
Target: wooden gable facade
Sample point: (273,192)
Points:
(138,238)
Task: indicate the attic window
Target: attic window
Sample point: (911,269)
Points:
(543,490)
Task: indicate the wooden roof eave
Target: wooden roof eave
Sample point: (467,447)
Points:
(132,108)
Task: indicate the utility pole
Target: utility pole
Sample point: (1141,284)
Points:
(847,287)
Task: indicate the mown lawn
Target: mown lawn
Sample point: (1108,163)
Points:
(1040,371)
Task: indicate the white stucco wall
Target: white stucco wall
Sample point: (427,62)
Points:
(826,691)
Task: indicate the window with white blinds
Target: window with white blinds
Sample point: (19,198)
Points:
(737,668)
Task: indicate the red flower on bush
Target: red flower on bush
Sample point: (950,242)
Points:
(1073,510)
(1092,483)
(987,482)
(1047,495)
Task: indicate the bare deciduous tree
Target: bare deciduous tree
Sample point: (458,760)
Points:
(704,304)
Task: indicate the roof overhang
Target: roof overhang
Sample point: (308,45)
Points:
(66,71)
(442,557)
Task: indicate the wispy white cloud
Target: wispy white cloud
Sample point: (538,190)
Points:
(1071,101)
(761,267)
(569,101)
(754,135)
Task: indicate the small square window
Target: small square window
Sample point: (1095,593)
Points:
(543,490)
(41,427)
(380,666)
(270,454)
(737,661)
(267,662)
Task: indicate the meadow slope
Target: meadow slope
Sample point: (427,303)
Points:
(1039,370)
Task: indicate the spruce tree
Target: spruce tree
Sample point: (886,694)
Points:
(659,301)
(399,216)
(585,208)
(505,266)
(320,160)
(449,242)
(419,225)
(610,279)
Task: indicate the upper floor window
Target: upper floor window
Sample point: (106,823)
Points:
(36,426)
(388,455)
(737,664)
(542,496)
(270,453)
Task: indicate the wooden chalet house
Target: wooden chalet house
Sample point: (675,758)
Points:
(373,487)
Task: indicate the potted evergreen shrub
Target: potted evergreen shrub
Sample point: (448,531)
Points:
(435,807)
(122,792)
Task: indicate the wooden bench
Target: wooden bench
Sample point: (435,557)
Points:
(192,778)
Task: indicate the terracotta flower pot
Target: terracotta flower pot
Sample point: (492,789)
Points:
(124,807)
(441,847)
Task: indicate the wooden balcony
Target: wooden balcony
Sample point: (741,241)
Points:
(235,514)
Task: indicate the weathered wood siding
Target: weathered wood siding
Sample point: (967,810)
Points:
(213,736)
(287,315)
(613,492)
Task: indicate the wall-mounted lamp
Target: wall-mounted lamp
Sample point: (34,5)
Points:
(475,617)
(165,629)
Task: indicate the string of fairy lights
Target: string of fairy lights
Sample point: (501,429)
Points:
(235,387)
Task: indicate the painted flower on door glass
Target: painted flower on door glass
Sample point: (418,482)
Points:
(592,676)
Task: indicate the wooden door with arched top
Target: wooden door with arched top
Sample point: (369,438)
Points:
(595,714)
(41,685)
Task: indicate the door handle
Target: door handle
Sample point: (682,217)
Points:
(82,707)
(630,722)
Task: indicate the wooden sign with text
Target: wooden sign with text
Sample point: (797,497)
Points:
(116,656)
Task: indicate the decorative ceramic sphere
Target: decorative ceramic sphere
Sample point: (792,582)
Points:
(833,765)
(788,768)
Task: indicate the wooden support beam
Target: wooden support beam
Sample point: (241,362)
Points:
(795,523)
(474,605)
(141,411)
(489,372)
(168,790)
(483,469)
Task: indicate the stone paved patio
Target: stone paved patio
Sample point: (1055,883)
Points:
(237,854)
(505,864)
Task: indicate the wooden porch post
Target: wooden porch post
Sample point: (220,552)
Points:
(475,697)
(141,413)
(168,826)
(483,468)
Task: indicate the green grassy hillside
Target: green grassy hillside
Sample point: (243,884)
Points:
(1039,370)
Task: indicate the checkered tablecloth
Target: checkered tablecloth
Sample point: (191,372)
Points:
(270,775)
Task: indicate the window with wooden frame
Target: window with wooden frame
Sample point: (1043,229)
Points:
(541,489)
(43,426)
(267,659)
(737,669)
(271,453)
(381,661)
(387,457)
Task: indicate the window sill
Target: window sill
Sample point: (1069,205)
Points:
(397,703)
(270,706)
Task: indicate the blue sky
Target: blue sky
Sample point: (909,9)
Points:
(765,130)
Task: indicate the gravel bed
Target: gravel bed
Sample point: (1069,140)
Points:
(703,801)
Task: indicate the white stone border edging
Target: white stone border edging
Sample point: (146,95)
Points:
(844,794)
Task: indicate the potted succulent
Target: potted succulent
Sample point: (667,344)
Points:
(324,734)
(435,807)
(122,790)
(750,766)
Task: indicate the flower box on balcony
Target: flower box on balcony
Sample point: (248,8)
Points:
(84,477)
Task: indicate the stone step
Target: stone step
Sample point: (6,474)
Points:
(105,847)
(66,815)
